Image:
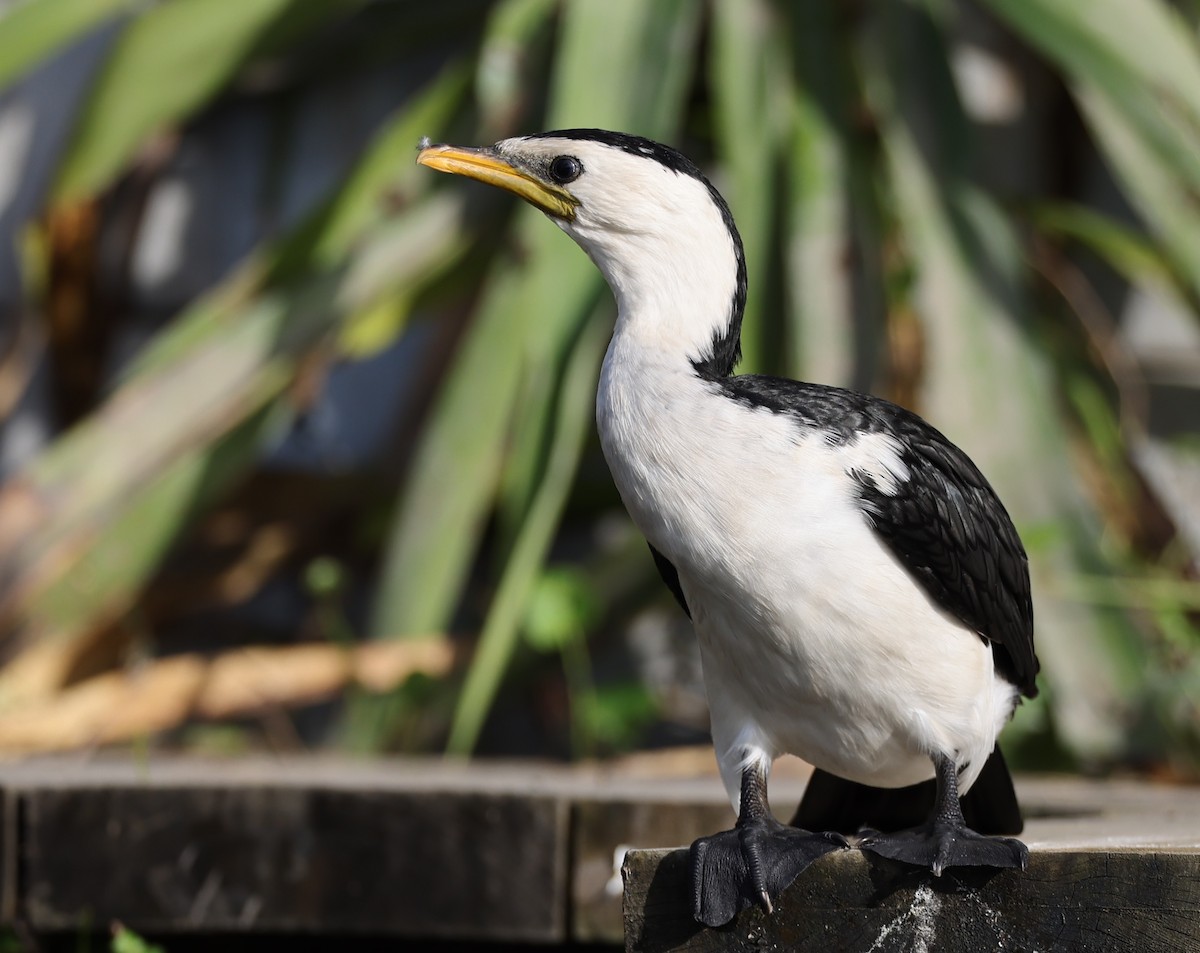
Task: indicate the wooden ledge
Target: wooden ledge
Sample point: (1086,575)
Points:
(336,848)
(1083,901)
(1113,868)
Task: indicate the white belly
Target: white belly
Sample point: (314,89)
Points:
(834,672)
(814,640)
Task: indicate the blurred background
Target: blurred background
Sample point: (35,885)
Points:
(296,437)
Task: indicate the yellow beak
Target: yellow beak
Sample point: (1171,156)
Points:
(486,166)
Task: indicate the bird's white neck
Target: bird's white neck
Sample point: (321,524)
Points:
(679,283)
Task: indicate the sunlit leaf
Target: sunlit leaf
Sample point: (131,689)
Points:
(531,312)
(168,61)
(116,513)
(561,607)
(504,71)
(651,108)
(750,76)
(375,329)
(1165,197)
(642,96)
(386,177)
(498,638)
(824,175)
(1128,49)
(1136,71)
(1127,251)
(126,941)
(116,555)
(31,30)
(327,235)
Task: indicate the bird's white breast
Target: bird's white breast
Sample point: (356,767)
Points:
(814,640)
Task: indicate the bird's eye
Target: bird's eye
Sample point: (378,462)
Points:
(565,169)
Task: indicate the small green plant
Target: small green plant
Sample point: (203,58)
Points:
(126,941)
(562,607)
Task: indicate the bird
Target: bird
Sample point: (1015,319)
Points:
(860,595)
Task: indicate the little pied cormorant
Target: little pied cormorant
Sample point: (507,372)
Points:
(859,593)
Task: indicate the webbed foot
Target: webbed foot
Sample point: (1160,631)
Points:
(942,845)
(753,863)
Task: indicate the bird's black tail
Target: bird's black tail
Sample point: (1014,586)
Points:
(833,804)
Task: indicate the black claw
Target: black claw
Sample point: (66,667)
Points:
(751,864)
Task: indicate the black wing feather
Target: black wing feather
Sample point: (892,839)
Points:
(670,575)
(945,524)
(949,529)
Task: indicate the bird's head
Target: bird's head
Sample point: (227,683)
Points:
(660,233)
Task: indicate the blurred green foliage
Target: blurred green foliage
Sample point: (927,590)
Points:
(126,941)
(881,254)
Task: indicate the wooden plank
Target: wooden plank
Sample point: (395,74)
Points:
(1079,901)
(425,863)
(1115,866)
(10,854)
(424,848)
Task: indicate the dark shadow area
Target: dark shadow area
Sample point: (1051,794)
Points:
(295,943)
(666,907)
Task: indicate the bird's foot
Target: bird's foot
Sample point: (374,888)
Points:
(938,846)
(750,864)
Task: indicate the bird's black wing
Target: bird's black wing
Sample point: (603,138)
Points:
(944,522)
(948,528)
(670,575)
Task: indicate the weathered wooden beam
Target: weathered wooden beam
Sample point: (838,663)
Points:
(423,848)
(426,864)
(418,848)
(1092,901)
(1112,868)
(312,847)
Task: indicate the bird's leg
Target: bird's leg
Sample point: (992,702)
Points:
(944,840)
(755,861)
